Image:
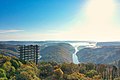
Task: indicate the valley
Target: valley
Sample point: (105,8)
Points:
(68,51)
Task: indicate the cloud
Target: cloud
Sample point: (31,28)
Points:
(10,31)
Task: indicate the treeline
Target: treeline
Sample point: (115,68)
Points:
(11,68)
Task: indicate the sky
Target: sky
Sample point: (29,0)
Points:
(82,20)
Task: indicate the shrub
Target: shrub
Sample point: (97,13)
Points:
(26,72)
(58,73)
(10,70)
(91,73)
(2,73)
(15,63)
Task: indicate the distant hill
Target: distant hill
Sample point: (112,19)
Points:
(59,52)
(108,44)
(105,55)
(9,50)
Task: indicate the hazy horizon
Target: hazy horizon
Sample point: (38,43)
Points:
(63,20)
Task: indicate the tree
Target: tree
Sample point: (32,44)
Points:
(97,77)
(76,76)
(46,70)
(91,73)
(10,70)
(69,68)
(15,63)
(26,72)
(2,73)
(90,66)
(117,78)
(24,75)
(58,73)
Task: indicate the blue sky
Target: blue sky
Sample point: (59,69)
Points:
(37,14)
(59,20)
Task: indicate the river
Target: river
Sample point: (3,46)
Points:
(75,58)
(78,45)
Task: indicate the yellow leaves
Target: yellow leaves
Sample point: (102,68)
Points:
(7,66)
(76,75)
(27,72)
(25,75)
(58,71)
(97,77)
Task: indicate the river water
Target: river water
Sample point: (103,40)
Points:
(75,58)
(76,46)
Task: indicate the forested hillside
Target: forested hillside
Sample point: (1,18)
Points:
(106,55)
(9,50)
(60,52)
(11,68)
